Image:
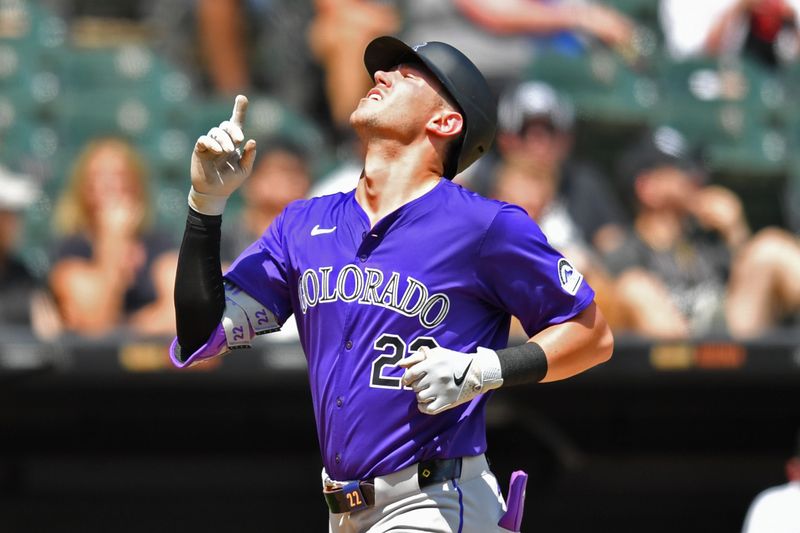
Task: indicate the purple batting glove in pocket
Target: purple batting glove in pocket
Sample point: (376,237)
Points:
(512,519)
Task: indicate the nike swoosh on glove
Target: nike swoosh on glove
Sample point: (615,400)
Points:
(443,379)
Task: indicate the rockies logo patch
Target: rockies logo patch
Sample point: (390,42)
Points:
(569,278)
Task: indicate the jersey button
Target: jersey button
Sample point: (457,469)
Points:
(348,345)
(363,257)
(338,458)
(339,401)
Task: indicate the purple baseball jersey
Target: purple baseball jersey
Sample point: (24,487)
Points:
(447,269)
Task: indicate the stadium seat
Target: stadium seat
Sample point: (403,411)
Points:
(120,67)
(602,86)
(729,111)
(759,152)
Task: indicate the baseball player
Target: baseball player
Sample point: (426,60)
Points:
(402,291)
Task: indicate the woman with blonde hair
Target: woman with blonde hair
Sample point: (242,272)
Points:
(111,270)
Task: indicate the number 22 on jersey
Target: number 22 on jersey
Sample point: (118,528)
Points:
(394,349)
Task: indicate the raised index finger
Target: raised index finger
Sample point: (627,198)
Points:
(239,110)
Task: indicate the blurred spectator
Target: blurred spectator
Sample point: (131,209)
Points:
(222,34)
(765,30)
(307,53)
(110,268)
(765,286)
(675,262)
(535,137)
(260,45)
(16,282)
(502,36)
(339,33)
(23,303)
(572,203)
(777,509)
(281,176)
(537,194)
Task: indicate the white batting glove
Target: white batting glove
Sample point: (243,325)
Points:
(443,379)
(218,167)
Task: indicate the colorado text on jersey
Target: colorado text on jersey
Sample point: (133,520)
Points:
(353,284)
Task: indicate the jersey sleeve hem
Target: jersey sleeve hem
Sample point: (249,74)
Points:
(578,308)
(243,283)
(216,345)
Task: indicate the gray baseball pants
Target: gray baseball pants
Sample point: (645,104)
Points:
(471,504)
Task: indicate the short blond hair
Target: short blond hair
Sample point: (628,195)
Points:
(71,216)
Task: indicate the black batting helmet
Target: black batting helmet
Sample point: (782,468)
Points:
(461,79)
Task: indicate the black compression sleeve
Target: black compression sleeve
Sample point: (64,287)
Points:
(199,293)
(522,364)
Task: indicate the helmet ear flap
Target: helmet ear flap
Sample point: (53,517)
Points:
(453,154)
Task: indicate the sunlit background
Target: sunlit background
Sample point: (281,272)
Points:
(655,142)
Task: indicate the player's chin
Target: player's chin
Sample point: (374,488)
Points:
(361,117)
(359,111)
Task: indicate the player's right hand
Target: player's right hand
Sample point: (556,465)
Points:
(218,166)
(443,379)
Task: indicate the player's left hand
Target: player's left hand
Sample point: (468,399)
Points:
(443,379)
(218,166)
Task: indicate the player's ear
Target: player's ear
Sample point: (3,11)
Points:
(446,123)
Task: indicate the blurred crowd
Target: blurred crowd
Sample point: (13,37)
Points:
(664,238)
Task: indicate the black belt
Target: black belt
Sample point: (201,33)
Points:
(358,495)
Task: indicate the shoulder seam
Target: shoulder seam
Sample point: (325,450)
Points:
(488,228)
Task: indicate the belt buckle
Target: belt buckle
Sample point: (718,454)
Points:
(331,485)
(353,497)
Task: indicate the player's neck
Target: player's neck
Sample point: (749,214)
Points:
(391,180)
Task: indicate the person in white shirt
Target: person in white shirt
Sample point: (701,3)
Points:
(777,509)
(765,29)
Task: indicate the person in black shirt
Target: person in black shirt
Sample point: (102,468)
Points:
(674,264)
(111,269)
